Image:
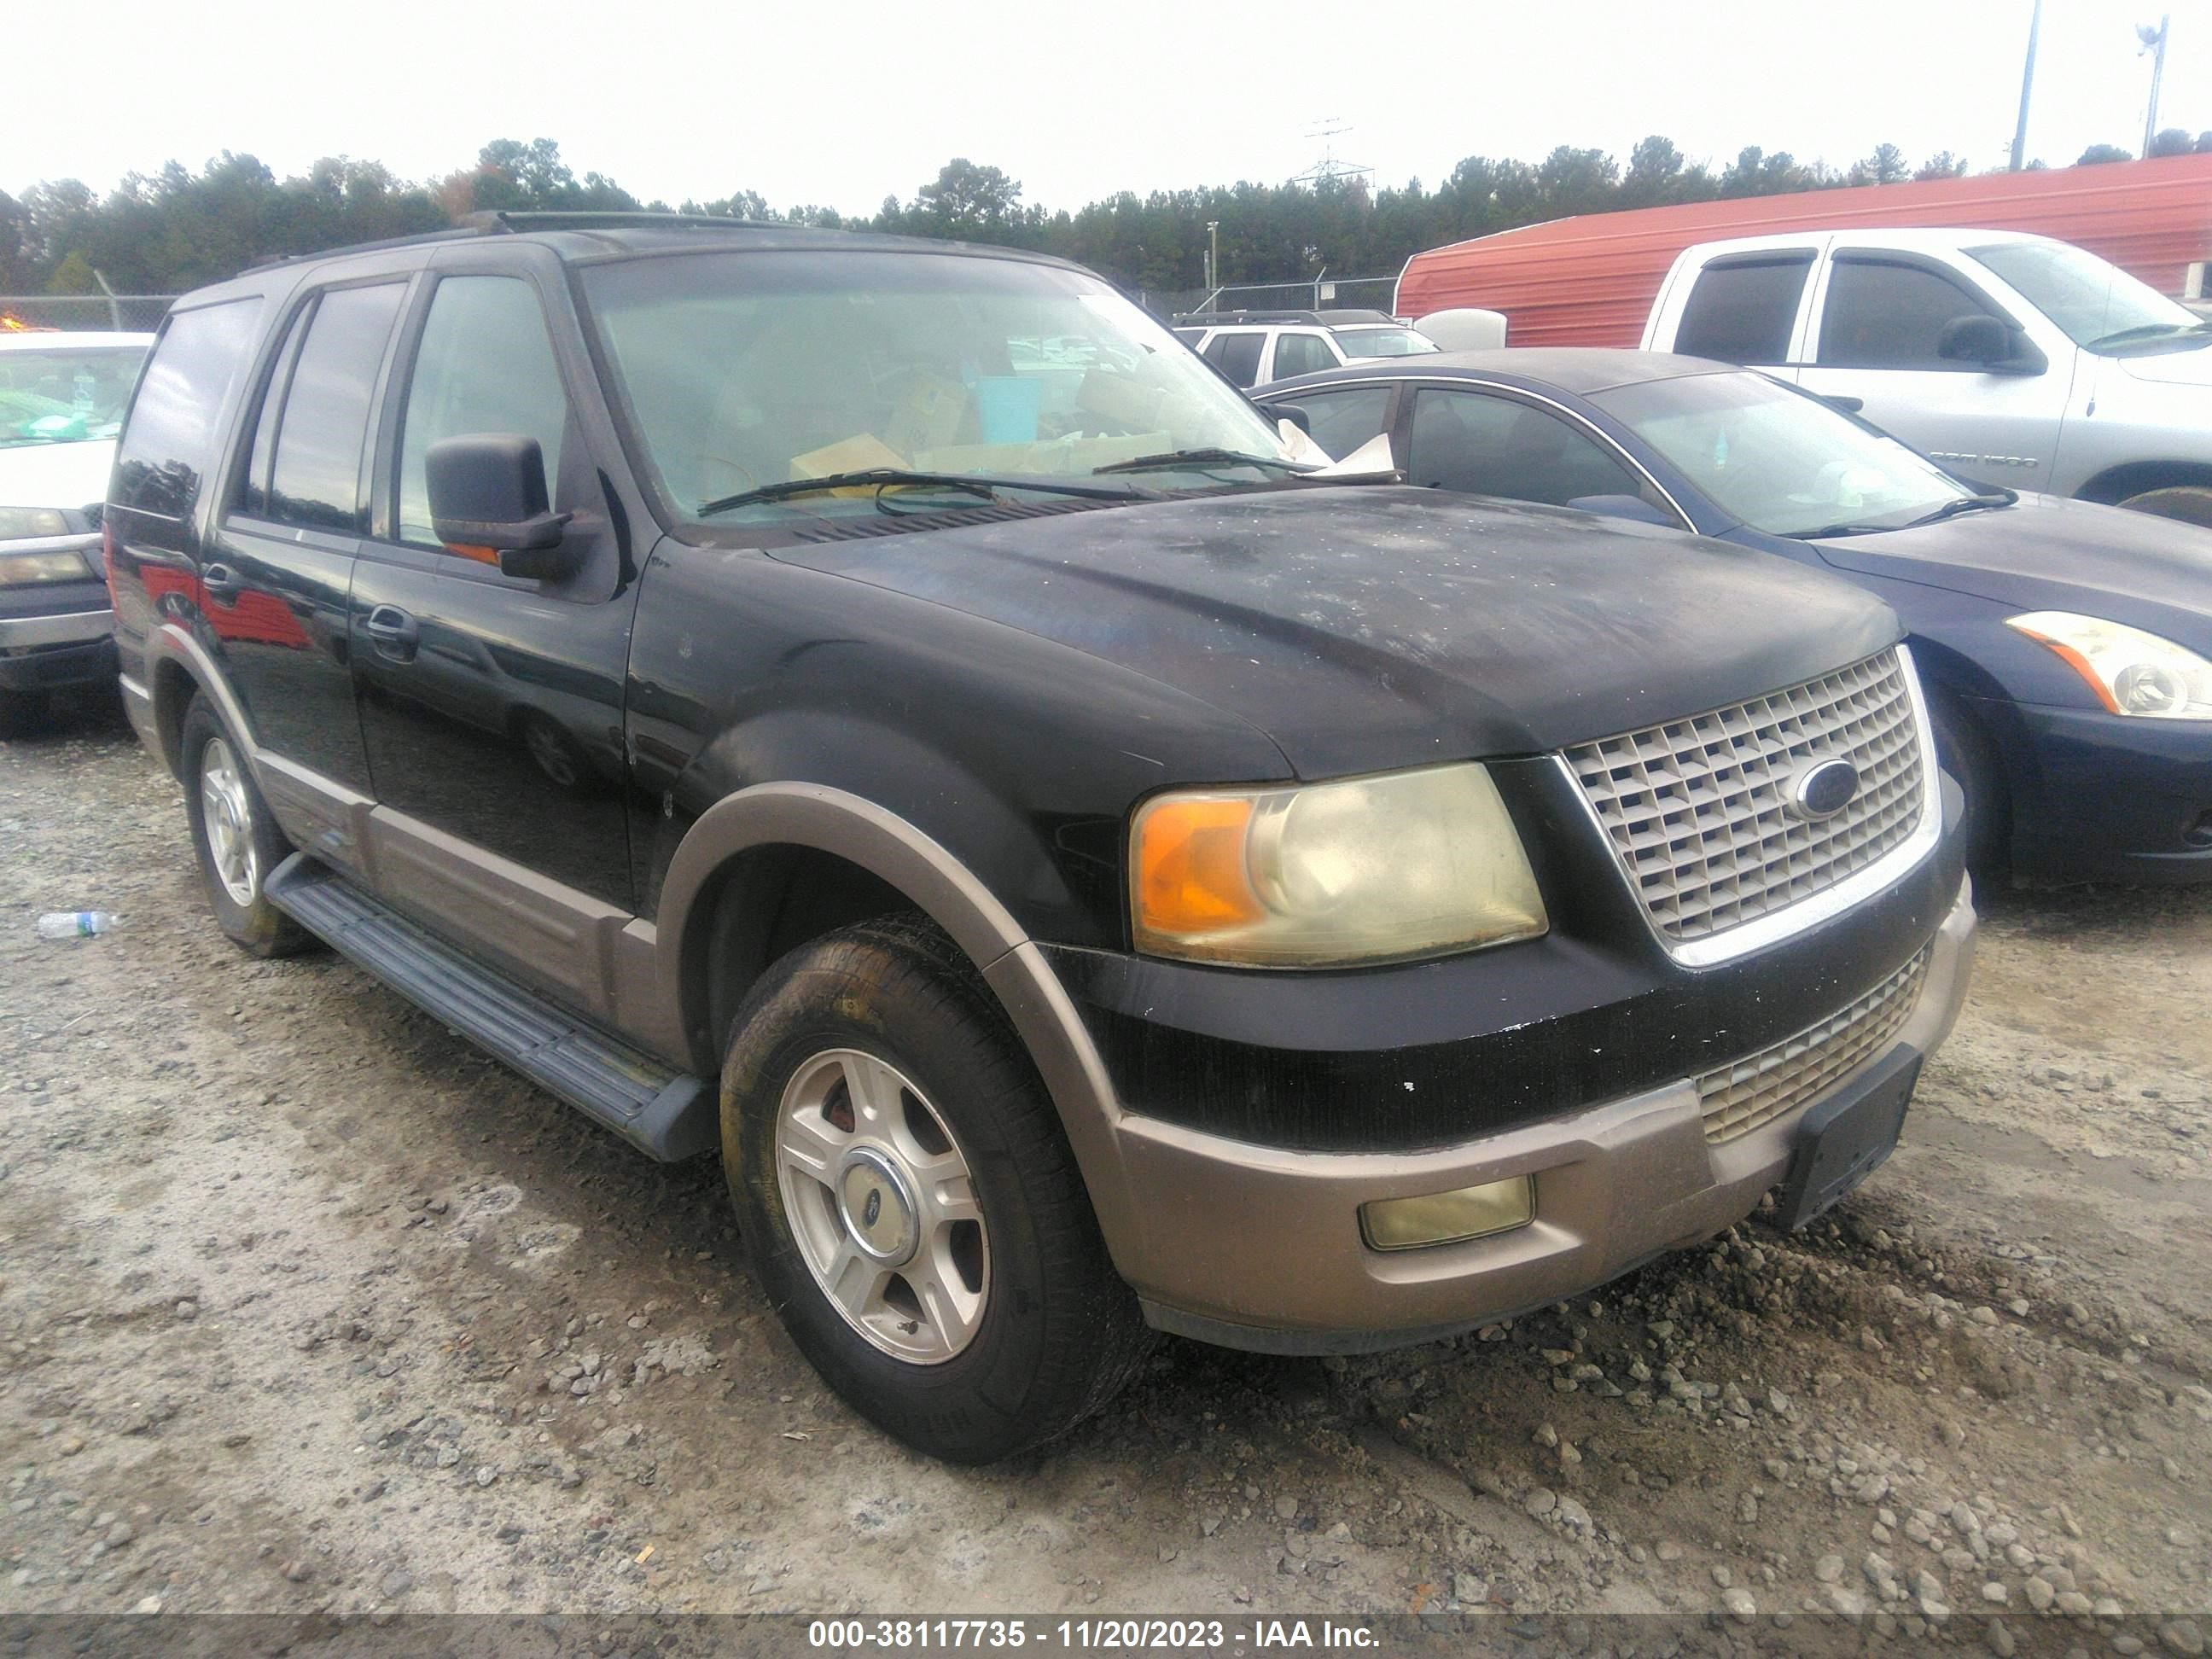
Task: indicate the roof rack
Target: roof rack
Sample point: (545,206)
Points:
(1234,317)
(519,220)
(459,232)
(504,221)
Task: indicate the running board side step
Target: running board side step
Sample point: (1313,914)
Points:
(666,1113)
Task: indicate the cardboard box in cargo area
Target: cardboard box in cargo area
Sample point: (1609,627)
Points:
(927,417)
(853,454)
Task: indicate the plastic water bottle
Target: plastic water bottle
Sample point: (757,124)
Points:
(75,924)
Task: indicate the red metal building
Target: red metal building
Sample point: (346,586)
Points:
(1590,280)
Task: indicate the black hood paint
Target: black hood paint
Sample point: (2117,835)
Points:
(1373,627)
(2046,553)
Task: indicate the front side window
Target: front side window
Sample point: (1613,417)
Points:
(1743,309)
(1301,354)
(315,479)
(485,365)
(169,436)
(1777,460)
(1342,420)
(1884,315)
(744,370)
(1492,446)
(2098,305)
(64,394)
(1384,342)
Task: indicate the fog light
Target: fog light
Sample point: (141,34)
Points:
(1407,1223)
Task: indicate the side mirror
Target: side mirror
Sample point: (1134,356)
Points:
(1842,400)
(1296,416)
(1988,343)
(1626,507)
(488,503)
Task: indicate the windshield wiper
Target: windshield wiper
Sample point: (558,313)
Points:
(1848,527)
(2149,331)
(1988,498)
(1197,458)
(884,478)
(1949,509)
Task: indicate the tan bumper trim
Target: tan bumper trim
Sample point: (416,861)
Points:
(1257,1248)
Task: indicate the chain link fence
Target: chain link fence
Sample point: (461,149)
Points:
(122,313)
(1321,294)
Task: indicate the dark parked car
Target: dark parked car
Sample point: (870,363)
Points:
(2064,646)
(1118,878)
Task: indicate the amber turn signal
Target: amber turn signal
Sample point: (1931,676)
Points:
(1191,877)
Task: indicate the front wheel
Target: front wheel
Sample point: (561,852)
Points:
(908,1201)
(2189,503)
(238,842)
(1963,750)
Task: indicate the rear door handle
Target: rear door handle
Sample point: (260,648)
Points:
(393,633)
(221,582)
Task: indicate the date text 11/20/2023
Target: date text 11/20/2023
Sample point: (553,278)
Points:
(1085,1635)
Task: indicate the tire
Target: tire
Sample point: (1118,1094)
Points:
(21,713)
(2190,503)
(875,1053)
(1963,750)
(236,839)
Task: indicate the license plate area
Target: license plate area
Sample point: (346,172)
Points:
(1843,1140)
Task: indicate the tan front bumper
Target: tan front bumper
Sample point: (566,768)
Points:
(1260,1248)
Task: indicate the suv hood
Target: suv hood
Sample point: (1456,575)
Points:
(56,474)
(2046,553)
(1374,627)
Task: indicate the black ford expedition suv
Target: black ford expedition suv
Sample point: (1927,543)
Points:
(885,711)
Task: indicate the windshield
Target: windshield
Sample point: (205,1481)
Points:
(2095,303)
(1383,342)
(746,370)
(1777,460)
(64,393)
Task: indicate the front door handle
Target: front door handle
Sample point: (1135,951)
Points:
(393,633)
(220,582)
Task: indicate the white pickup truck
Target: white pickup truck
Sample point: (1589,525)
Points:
(2012,359)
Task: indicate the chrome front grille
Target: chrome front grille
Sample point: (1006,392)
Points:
(1737,1098)
(1697,810)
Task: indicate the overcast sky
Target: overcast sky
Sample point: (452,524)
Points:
(841,103)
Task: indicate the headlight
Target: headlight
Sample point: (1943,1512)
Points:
(20,523)
(1413,864)
(21,569)
(2132,672)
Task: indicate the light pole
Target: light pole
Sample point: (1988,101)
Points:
(2154,45)
(1212,253)
(2026,86)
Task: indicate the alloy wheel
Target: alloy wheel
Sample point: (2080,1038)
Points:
(226,810)
(882,1207)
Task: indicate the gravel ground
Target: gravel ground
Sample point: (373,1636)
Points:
(306,1306)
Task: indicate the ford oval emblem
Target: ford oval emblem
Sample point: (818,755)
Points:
(1823,789)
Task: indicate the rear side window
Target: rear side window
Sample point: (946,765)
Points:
(1301,354)
(315,479)
(1236,355)
(1742,309)
(486,364)
(1882,315)
(168,441)
(1491,446)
